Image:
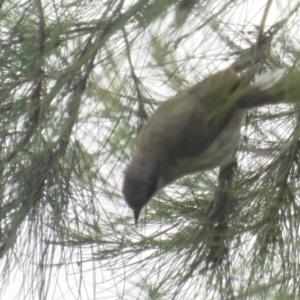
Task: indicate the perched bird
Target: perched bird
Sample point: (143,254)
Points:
(196,130)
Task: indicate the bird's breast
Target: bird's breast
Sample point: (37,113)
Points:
(215,155)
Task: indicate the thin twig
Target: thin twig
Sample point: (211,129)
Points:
(136,80)
(262,26)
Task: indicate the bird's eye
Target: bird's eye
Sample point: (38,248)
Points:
(151,189)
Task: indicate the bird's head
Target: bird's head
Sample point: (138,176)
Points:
(140,184)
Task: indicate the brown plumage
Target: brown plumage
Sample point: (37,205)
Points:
(196,130)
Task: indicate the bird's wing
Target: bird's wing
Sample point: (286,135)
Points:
(181,126)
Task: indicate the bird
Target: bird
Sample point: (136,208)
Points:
(196,130)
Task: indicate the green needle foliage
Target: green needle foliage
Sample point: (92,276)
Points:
(77,81)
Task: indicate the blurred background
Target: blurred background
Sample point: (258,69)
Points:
(78,80)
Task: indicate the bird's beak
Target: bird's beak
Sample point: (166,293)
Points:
(136,214)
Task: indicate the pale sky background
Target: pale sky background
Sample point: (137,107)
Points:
(67,281)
